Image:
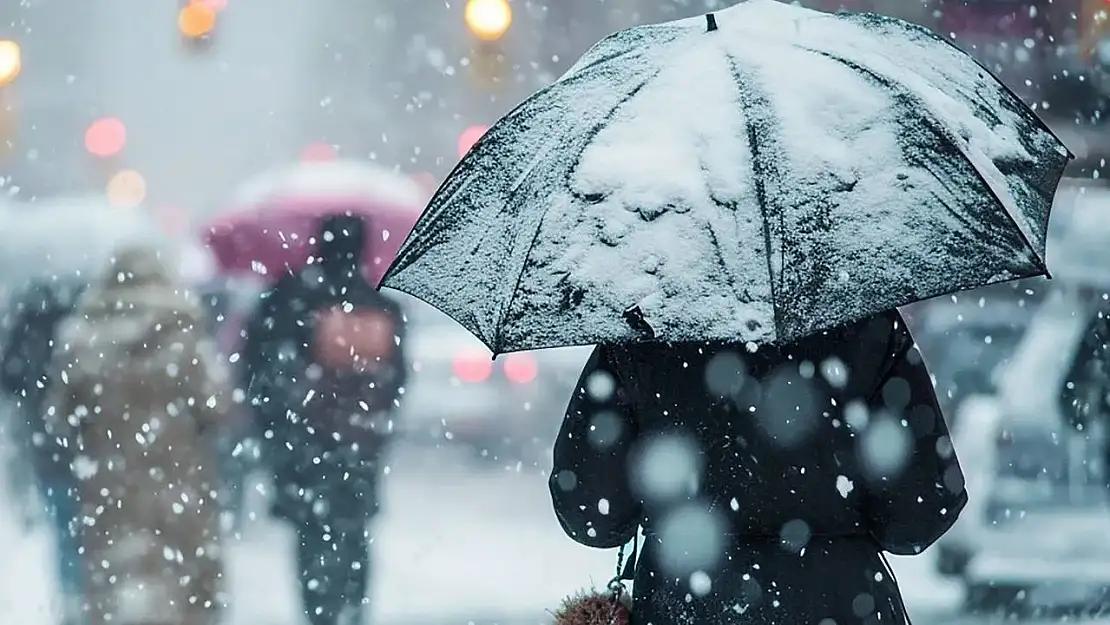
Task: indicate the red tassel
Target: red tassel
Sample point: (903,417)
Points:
(594,608)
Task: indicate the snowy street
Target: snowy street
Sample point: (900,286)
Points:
(456,543)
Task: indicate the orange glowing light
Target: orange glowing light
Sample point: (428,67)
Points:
(488,19)
(316,152)
(127,189)
(196,20)
(106,137)
(11,61)
(469,137)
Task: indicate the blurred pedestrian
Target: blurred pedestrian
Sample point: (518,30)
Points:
(34,315)
(137,397)
(324,369)
(767,483)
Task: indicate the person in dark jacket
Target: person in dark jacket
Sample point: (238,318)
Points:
(326,407)
(36,313)
(767,482)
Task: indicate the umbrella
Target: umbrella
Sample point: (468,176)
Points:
(754,175)
(275,218)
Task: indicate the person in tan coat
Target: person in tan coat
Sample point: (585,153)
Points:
(137,396)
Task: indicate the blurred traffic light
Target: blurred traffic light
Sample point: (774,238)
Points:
(11,61)
(127,189)
(488,20)
(106,137)
(469,137)
(196,19)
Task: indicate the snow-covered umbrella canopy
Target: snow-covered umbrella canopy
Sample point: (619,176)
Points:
(68,237)
(339,179)
(753,175)
(269,226)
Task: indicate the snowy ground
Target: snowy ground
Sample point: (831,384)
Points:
(456,544)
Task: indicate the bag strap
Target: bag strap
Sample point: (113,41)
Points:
(628,572)
(626,567)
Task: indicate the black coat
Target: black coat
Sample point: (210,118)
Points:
(790,485)
(28,346)
(277,360)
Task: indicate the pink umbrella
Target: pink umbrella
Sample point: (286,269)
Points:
(272,227)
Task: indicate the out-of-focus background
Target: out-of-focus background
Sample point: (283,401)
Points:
(162,107)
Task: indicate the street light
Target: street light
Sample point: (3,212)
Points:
(7,125)
(488,66)
(11,61)
(196,20)
(488,20)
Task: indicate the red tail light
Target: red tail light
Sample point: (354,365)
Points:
(472,368)
(520,368)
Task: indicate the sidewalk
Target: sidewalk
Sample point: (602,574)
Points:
(482,545)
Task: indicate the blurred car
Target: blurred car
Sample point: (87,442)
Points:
(1035,531)
(967,338)
(504,409)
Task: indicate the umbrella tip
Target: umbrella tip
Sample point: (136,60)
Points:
(710,22)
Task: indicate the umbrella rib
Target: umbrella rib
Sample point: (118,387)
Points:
(920,105)
(641,51)
(585,143)
(752,101)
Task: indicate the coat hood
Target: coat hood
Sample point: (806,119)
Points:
(128,311)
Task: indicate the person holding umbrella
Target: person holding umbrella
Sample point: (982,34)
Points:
(324,368)
(732,208)
(263,238)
